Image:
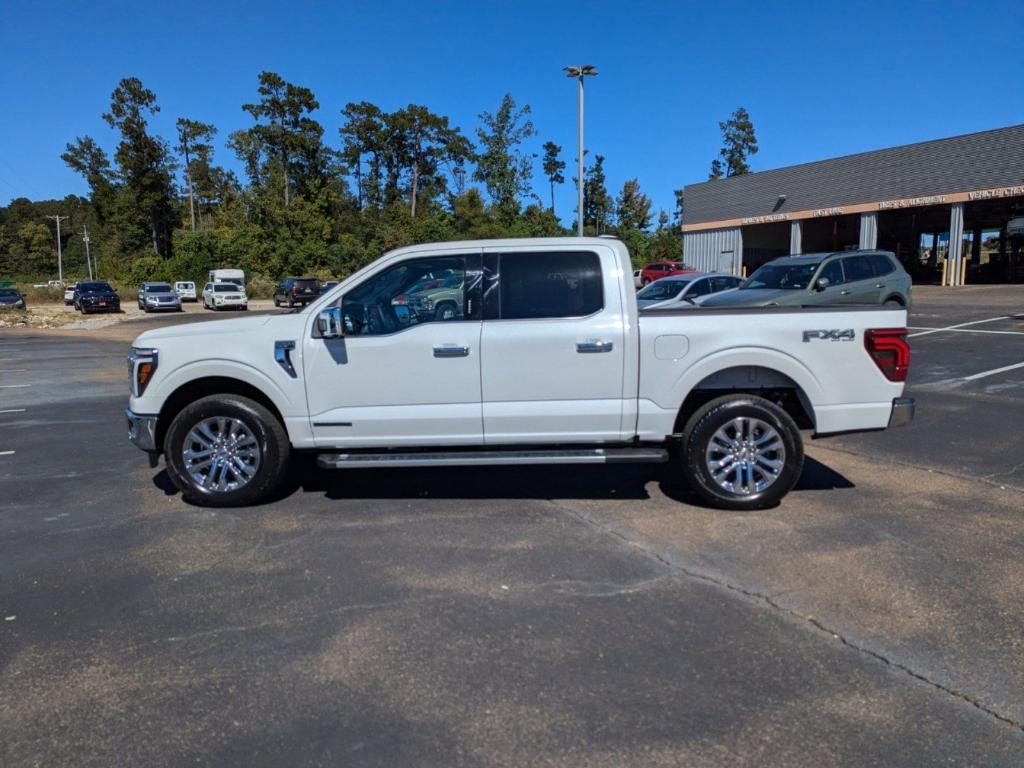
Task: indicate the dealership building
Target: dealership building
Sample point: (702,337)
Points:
(952,210)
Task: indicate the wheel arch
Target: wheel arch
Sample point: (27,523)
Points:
(195,389)
(760,380)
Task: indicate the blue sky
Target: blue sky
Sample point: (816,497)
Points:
(819,79)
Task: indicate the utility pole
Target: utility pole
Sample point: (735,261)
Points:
(60,253)
(586,70)
(88,262)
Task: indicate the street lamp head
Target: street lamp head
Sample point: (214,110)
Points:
(585,70)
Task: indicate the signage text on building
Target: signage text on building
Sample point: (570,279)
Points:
(828,212)
(911,202)
(988,194)
(765,219)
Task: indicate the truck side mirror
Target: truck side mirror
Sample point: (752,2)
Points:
(329,323)
(822,283)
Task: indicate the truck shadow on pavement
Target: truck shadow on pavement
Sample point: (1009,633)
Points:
(615,482)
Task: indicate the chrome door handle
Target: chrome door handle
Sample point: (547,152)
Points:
(585,347)
(844,293)
(451,351)
(879,285)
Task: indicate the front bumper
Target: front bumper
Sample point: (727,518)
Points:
(902,411)
(141,430)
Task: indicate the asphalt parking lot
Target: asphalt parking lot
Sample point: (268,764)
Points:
(534,616)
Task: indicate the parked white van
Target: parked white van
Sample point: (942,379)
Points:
(186,290)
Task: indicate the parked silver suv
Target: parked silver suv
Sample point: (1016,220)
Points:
(815,279)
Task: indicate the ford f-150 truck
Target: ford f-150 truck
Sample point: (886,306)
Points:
(546,359)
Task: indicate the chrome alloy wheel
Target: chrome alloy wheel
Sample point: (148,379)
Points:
(221,454)
(745,456)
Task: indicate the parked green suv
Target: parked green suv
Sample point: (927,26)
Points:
(815,279)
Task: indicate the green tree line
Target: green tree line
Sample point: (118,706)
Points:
(306,203)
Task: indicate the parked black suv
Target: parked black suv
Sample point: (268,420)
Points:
(96,296)
(296,290)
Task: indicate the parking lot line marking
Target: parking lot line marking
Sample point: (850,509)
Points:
(960,325)
(13,410)
(994,371)
(961,330)
(6,453)
(14,386)
(13,370)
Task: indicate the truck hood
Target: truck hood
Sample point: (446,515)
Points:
(214,328)
(752,298)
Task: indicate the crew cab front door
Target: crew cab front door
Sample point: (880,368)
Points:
(553,346)
(407,370)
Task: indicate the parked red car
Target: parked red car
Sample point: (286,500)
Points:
(659,269)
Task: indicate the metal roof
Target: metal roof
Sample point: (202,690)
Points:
(984,160)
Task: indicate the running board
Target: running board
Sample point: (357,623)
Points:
(494,458)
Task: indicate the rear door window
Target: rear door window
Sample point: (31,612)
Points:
(553,284)
(700,287)
(857,268)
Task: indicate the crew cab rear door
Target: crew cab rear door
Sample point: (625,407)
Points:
(553,345)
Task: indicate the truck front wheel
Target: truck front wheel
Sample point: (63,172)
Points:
(741,452)
(226,451)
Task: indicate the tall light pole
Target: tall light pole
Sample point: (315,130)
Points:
(60,253)
(88,262)
(580,72)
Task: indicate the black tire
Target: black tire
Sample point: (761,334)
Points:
(291,303)
(893,303)
(718,413)
(444,307)
(275,450)
(276,302)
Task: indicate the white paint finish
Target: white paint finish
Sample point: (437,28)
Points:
(524,381)
(393,390)
(537,387)
(830,373)
(994,371)
(959,325)
(671,347)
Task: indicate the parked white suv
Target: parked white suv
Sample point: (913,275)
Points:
(545,360)
(224,296)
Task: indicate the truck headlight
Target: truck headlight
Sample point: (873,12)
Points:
(142,363)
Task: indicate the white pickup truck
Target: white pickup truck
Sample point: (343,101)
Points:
(539,357)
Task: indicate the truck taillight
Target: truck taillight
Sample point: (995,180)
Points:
(889,349)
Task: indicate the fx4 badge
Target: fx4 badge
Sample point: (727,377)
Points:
(833,335)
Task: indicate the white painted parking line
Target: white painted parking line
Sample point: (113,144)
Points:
(6,453)
(13,410)
(14,386)
(994,371)
(961,330)
(960,325)
(13,370)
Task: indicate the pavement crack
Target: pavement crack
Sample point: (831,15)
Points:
(767,600)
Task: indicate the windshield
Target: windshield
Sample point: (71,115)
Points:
(662,289)
(184,286)
(792,277)
(9,293)
(94,287)
(227,288)
(158,288)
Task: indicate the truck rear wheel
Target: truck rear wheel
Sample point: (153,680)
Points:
(742,452)
(226,451)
